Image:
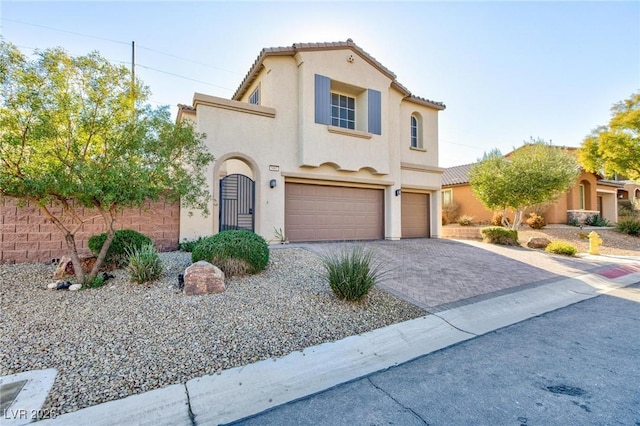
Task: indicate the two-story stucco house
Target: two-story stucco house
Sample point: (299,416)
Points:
(321,142)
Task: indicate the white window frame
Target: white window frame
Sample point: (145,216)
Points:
(254,98)
(414,132)
(581,199)
(450,193)
(336,119)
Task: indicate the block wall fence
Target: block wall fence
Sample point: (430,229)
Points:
(28,236)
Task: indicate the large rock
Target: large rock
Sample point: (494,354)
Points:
(538,242)
(203,278)
(65,267)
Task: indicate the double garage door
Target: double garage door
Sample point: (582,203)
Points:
(336,213)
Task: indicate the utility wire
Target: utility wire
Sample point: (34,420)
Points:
(124,42)
(182,76)
(187,60)
(66,31)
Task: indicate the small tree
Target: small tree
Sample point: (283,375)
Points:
(615,148)
(533,174)
(76,132)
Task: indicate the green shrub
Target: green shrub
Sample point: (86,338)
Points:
(574,222)
(351,272)
(596,220)
(465,220)
(629,227)
(188,245)
(561,247)
(235,252)
(144,264)
(123,240)
(98,281)
(499,235)
(536,221)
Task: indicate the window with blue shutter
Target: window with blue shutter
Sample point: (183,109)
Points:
(375,112)
(323,99)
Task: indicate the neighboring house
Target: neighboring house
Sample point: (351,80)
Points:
(589,196)
(627,189)
(322,142)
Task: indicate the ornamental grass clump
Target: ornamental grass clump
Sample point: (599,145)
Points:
(561,247)
(235,252)
(629,227)
(144,264)
(351,272)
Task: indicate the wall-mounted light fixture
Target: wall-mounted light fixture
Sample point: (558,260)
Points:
(272,183)
(398,192)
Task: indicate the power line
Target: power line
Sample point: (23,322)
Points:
(123,42)
(65,31)
(187,60)
(183,77)
(460,144)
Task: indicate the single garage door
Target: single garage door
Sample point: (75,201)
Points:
(333,213)
(415,215)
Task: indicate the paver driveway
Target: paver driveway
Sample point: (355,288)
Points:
(438,274)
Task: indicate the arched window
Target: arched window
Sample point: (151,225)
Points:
(416,130)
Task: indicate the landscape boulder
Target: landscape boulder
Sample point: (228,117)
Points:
(65,267)
(203,278)
(538,242)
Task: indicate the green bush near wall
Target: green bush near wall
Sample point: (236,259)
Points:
(500,235)
(235,252)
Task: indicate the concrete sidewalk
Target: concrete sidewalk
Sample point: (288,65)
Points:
(244,391)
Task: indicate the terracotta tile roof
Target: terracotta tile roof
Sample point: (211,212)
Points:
(616,183)
(336,45)
(187,108)
(456,175)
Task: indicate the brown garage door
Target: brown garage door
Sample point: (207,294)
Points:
(333,213)
(415,215)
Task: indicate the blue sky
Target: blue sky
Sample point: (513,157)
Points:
(505,70)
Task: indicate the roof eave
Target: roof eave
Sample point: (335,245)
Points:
(257,66)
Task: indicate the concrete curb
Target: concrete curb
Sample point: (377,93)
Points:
(245,391)
(27,405)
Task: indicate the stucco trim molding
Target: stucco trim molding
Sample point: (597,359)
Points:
(349,132)
(289,176)
(420,188)
(244,107)
(421,168)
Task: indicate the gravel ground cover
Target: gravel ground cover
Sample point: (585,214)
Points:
(613,242)
(126,338)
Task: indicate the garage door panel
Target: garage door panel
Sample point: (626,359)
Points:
(415,215)
(325,213)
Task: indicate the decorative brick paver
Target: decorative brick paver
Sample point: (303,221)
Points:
(439,274)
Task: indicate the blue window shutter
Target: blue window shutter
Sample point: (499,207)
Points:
(323,99)
(375,112)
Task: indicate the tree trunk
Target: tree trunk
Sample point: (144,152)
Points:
(70,239)
(109,220)
(505,219)
(517,219)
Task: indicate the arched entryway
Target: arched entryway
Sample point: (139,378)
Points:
(236,193)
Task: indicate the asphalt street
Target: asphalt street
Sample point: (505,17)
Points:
(575,366)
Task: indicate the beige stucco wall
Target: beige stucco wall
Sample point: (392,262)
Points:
(282,133)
